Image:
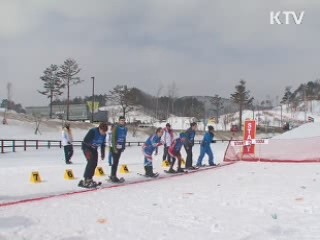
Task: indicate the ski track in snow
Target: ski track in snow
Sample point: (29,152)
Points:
(205,205)
(243,201)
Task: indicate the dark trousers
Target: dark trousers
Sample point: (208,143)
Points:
(166,155)
(114,167)
(189,156)
(68,152)
(173,160)
(92,161)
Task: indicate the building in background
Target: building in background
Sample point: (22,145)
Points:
(77,112)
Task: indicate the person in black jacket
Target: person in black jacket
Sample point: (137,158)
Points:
(188,144)
(95,138)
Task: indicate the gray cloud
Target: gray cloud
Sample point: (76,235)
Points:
(204,46)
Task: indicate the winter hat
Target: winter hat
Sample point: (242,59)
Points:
(193,124)
(210,128)
(168,125)
(121,118)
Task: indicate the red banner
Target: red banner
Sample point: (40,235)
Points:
(249,135)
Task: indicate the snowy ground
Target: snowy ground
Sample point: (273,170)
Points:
(242,201)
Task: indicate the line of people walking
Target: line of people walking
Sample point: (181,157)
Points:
(114,137)
(172,148)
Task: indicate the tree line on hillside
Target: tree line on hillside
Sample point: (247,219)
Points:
(60,78)
(303,94)
(11,105)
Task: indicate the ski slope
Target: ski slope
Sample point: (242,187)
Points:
(252,201)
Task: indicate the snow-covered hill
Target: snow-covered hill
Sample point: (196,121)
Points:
(242,201)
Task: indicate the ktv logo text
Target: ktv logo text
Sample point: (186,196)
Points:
(286,17)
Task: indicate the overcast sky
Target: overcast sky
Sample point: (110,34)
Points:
(204,46)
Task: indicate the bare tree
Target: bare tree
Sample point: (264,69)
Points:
(123,96)
(172,94)
(68,73)
(157,100)
(217,106)
(226,120)
(242,98)
(52,84)
(113,115)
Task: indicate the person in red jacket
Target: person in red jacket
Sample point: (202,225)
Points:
(174,151)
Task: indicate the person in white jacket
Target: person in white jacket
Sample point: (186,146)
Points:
(167,138)
(67,142)
(109,144)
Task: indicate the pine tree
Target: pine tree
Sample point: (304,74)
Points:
(242,98)
(52,84)
(68,73)
(287,98)
(217,106)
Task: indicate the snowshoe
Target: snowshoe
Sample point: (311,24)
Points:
(149,172)
(209,165)
(155,175)
(170,171)
(180,170)
(193,168)
(213,164)
(152,175)
(89,183)
(202,165)
(115,179)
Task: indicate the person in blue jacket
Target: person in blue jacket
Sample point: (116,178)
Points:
(148,148)
(188,144)
(119,136)
(94,139)
(205,147)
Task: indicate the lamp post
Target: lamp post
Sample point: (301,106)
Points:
(92,103)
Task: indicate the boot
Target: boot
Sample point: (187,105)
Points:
(114,179)
(87,183)
(171,170)
(149,171)
(179,170)
(146,170)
